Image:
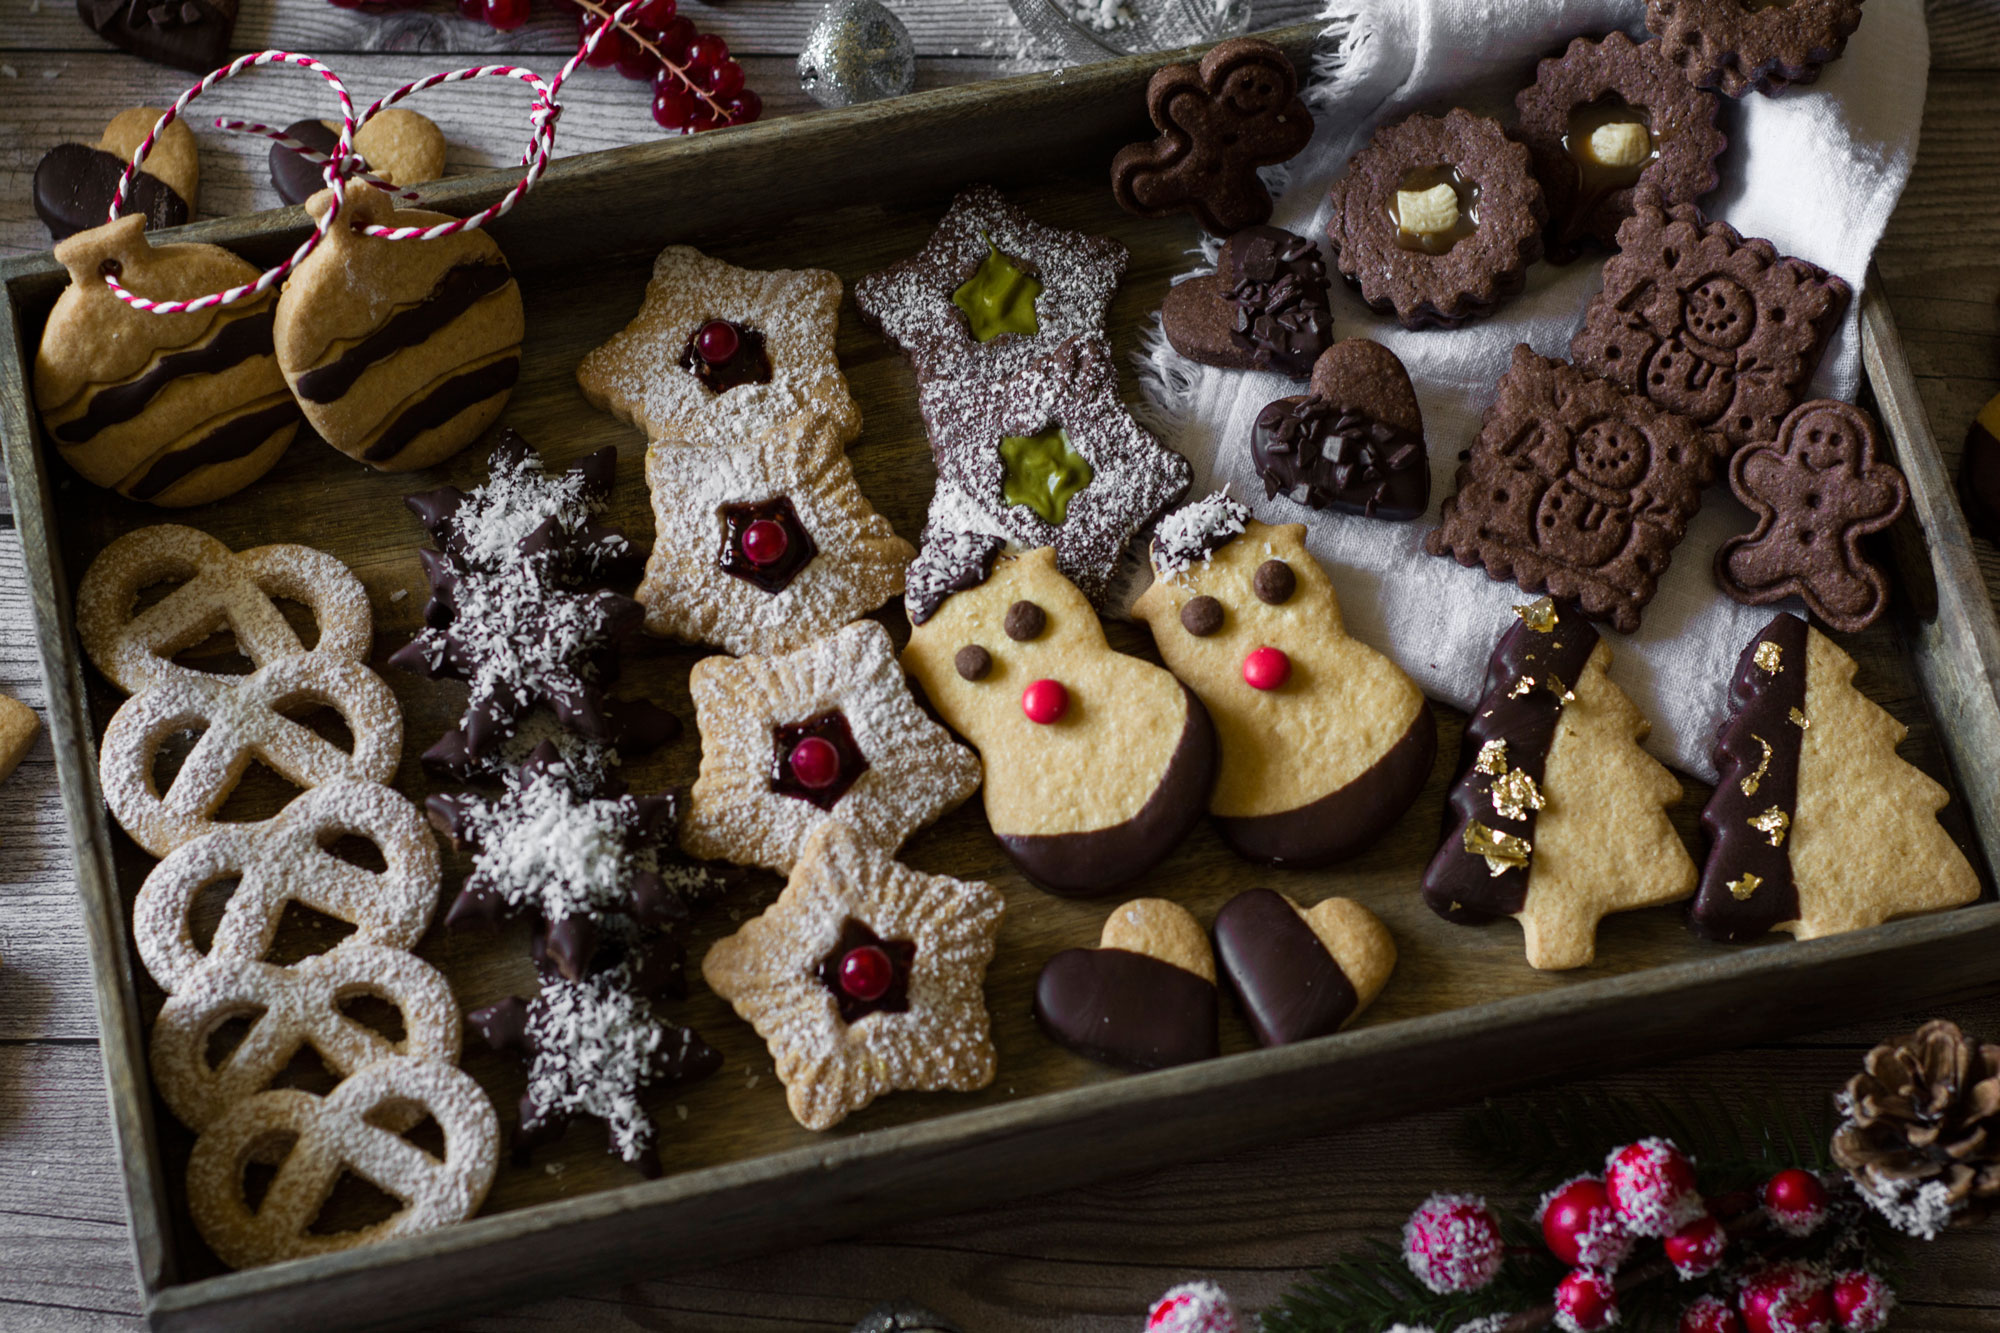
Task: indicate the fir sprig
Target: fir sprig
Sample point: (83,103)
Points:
(1370,1292)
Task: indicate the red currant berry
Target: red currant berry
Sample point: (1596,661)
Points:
(717,341)
(706,117)
(1709,1315)
(506,15)
(743,108)
(1585,1302)
(1796,1201)
(815,763)
(765,542)
(1266,668)
(636,62)
(726,79)
(1651,1184)
(675,37)
(1696,1248)
(673,105)
(472,9)
(1863,1301)
(865,973)
(1045,701)
(1789,1298)
(1582,1228)
(1453,1244)
(707,51)
(654,14)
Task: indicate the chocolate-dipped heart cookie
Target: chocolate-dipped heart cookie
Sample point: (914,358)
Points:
(74,182)
(398,145)
(1354,443)
(1144,998)
(1264,307)
(1301,973)
(190,34)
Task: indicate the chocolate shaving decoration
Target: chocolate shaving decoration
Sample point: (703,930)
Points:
(1277,284)
(950,562)
(1922,1134)
(1344,460)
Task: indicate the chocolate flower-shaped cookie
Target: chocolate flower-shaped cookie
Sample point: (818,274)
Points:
(1355,443)
(1219,121)
(1738,48)
(864,977)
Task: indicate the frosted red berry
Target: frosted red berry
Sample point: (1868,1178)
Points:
(1709,1315)
(1796,1201)
(815,763)
(1266,668)
(1582,1228)
(1452,1243)
(1586,1301)
(1787,1298)
(1696,1248)
(1193,1307)
(865,973)
(1651,1184)
(1862,1301)
(1045,701)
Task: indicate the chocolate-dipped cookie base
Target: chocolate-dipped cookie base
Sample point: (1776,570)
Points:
(1126,1009)
(1290,986)
(1082,865)
(1346,820)
(1264,308)
(74,183)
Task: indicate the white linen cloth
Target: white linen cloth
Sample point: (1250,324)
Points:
(1816,170)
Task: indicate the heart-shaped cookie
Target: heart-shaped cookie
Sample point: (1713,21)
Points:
(1264,308)
(398,145)
(1354,442)
(1144,998)
(1301,972)
(74,182)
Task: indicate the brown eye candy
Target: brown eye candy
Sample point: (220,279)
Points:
(1202,616)
(972,662)
(1273,583)
(1025,621)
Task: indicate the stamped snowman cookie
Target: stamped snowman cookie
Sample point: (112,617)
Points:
(1096,763)
(1324,742)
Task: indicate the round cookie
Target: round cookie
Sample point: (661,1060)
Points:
(398,145)
(401,353)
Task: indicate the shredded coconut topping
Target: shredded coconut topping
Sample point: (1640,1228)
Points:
(596,1045)
(949,562)
(519,496)
(1196,532)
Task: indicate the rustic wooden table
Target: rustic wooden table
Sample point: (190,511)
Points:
(1087,1259)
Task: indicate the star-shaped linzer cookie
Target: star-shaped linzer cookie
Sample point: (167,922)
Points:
(864,977)
(763,545)
(719,353)
(828,732)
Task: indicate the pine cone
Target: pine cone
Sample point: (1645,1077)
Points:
(1922,1135)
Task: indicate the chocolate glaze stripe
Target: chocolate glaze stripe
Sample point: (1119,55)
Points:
(457,291)
(1741,859)
(237,341)
(225,444)
(1459,885)
(443,403)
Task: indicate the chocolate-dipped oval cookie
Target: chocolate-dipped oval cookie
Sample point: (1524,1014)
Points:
(1605,117)
(74,182)
(1301,973)
(1144,998)
(1437,219)
(1354,443)
(1264,308)
(400,353)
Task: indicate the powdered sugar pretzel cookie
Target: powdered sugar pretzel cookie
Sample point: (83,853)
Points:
(765,544)
(290,1008)
(719,353)
(219,589)
(242,720)
(342,1132)
(286,861)
(828,732)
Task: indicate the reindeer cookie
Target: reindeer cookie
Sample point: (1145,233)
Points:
(1096,764)
(176,409)
(400,352)
(1817,826)
(1324,742)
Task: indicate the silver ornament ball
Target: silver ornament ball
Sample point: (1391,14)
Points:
(857,52)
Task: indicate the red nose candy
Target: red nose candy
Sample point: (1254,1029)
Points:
(717,342)
(765,542)
(816,764)
(865,973)
(1045,701)
(1266,669)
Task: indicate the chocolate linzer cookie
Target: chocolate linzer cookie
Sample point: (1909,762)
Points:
(1739,48)
(1576,488)
(1355,443)
(1816,491)
(190,34)
(1264,307)
(1437,219)
(1219,121)
(1723,331)
(1604,117)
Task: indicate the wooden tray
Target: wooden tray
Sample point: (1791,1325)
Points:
(853,190)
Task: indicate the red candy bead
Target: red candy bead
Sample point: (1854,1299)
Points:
(765,542)
(865,973)
(1862,1301)
(1585,1302)
(1796,1201)
(717,342)
(1709,1315)
(1789,1298)
(1582,1228)
(1453,1244)
(1045,701)
(1266,668)
(815,762)
(1696,1248)
(1651,1184)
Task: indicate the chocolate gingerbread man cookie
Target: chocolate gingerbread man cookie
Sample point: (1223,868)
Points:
(1816,826)
(1354,443)
(1239,109)
(1817,490)
(1740,48)
(1096,763)
(1264,307)
(1324,743)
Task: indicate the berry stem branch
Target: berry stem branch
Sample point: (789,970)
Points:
(604,11)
